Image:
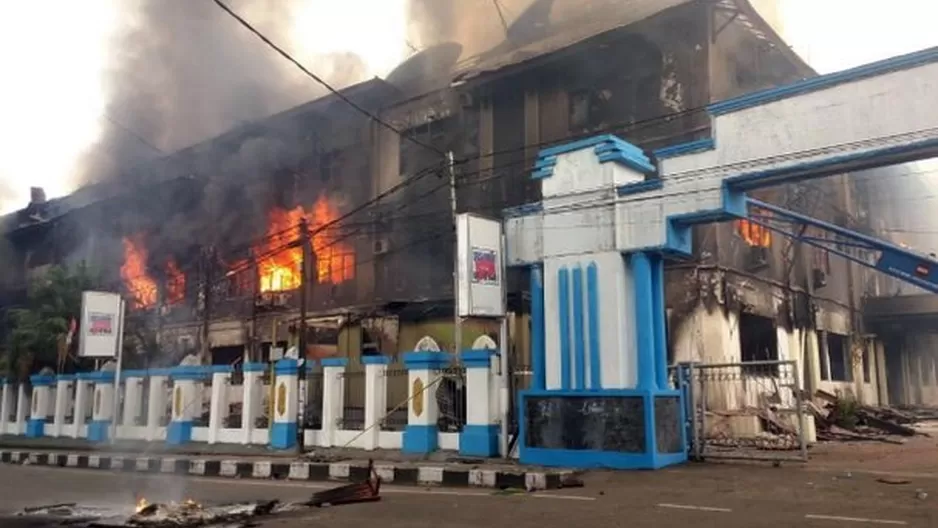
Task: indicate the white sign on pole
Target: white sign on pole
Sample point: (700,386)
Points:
(481,271)
(101,323)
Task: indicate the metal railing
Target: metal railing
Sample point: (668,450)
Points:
(450,395)
(747,410)
(396,414)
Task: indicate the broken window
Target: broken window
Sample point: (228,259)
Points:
(758,342)
(754,234)
(825,363)
(838,352)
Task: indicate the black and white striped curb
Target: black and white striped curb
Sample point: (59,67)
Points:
(302,471)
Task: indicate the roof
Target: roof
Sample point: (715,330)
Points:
(625,13)
(370,94)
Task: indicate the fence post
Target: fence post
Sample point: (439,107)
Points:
(283,423)
(376,397)
(218,410)
(252,399)
(156,403)
(333,397)
(62,397)
(102,411)
(5,406)
(423,372)
(42,391)
(187,400)
(133,396)
(22,408)
(479,436)
(80,414)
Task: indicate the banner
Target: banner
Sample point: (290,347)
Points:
(481,268)
(101,321)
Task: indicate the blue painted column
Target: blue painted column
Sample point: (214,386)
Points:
(659,315)
(41,400)
(579,331)
(538,351)
(563,313)
(286,404)
(644,319)
(592,305)
(422,432)
(479,436)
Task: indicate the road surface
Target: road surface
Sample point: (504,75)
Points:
(731,496)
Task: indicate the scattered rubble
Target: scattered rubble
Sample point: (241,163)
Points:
(188,513)
(839,419)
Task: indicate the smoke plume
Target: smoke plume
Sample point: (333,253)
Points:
(184,71)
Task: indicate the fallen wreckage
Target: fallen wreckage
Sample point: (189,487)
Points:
(188,513)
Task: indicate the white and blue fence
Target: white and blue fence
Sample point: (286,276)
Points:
(190,404)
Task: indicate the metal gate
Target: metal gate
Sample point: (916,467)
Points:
(750,410)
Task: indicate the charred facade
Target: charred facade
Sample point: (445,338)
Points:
(214,220)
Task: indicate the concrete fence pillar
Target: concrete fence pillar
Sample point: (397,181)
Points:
(479,436)
(22,408)
(156,402)
(63,398)
(82,403)
(186,403)
(286,404)
(102,410)
(6,405)
(423,372)
(333,398)
(41,405)
(133,396)
(252,400)
(376,397)
(218,410)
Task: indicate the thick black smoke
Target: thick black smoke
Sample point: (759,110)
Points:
(184,71)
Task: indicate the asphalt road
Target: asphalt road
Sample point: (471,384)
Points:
(732,496)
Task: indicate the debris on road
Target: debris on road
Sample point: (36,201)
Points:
(186,514)
(365,491)
(843,419)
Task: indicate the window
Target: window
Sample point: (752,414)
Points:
(758,342)
(328,165)
(753,234)
(838,351)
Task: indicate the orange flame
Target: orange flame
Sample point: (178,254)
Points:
(142,503)
(141,286)
(280,270)
(175,283)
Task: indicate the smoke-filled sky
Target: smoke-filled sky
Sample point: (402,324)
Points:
(90,85)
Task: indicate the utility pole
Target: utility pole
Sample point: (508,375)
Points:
(253,354)
(207,264)
(301,342)
(457,320)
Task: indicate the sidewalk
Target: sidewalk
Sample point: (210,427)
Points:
(240,461)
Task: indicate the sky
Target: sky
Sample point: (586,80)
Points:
(53,99)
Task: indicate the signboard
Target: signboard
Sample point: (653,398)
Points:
(101,316)
(481,266)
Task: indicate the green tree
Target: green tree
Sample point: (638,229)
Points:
(38,328)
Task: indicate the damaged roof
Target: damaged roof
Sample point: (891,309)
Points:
(603,19)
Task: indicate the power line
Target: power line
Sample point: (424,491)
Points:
(322,81)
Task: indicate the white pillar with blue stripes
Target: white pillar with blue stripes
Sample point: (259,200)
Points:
(376,397)
(286,404)
(423,373)
(6,405)
(41,404)
(597,310)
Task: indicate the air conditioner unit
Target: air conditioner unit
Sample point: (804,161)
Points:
(818,277)
(380,246)
(757,258)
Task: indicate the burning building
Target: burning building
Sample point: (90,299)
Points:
(381,278)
